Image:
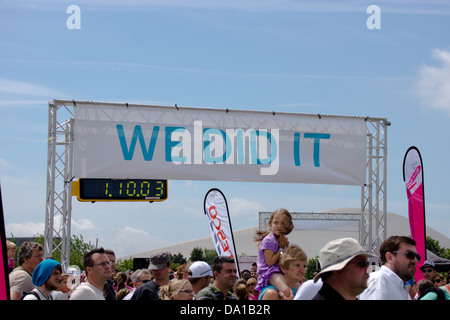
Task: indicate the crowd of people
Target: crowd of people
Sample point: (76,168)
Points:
(278,274)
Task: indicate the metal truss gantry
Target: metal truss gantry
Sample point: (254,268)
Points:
(374,192)
(58,210)
(264,217)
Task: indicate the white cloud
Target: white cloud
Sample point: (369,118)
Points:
(128,240)
(190,184)
(83,224)
(244,207)
(108,66)
(26,89)
(8,103)
(24,229)
(4,164)
(134,231)
(434,82)
(30,228)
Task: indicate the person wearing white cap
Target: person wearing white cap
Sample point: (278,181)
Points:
(200,275)
(344,270)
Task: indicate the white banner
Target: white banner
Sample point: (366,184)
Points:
(216,209)
(118,141)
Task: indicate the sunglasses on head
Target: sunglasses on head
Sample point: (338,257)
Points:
(410,255)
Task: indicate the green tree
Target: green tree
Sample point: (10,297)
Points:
(210,255)
(435,247)
(197,255)
(207,255)
(78,247)
(178,259)
(311,268)
(124,265)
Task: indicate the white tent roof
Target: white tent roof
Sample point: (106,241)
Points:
(311,241)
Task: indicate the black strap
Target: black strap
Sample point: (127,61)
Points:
(31,292)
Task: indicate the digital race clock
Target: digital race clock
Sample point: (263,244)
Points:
(120,189)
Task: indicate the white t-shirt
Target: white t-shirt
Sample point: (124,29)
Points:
(128,296)
(58,295)
(31,296)
(385,284)
(308,290)
(86,291)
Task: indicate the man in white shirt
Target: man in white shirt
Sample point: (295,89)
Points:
(98,270)
(308,290)
(399,258)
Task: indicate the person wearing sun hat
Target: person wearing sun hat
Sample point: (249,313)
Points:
(344,270)
(46,277)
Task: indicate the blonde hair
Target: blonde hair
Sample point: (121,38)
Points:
(252,281)
(10,245)
(183,269)
(288,227)
(172,289)
(290,254)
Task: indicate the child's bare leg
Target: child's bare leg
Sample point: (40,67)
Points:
(279,282)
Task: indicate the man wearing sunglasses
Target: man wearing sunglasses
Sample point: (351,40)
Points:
(98,270)
(398,257)
(138,278)
(344,270)
(428,269)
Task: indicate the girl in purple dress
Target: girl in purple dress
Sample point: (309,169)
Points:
(271,244)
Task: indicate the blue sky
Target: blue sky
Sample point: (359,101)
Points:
(292,56)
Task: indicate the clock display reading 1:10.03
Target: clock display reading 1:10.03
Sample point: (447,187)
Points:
(123,189)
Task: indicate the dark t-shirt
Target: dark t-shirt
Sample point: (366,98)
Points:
(148,291)
(327,293)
